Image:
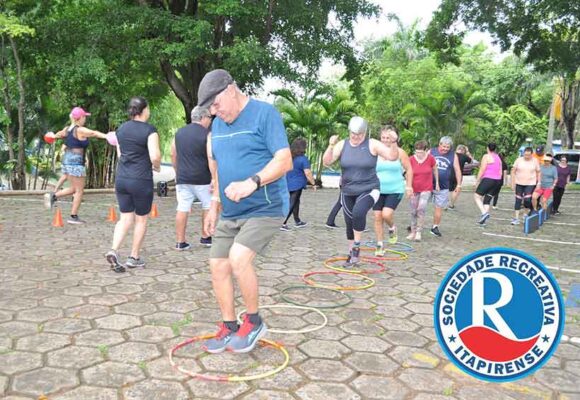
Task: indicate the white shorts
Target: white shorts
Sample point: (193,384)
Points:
(187,193)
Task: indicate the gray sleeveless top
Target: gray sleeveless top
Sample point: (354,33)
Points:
(359,169)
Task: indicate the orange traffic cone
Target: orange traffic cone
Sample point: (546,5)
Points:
(112,217)
(57,219)
(154,212)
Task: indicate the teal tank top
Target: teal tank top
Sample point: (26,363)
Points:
(390,175)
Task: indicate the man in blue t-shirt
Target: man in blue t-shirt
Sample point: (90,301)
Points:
(446,161)
(248,156)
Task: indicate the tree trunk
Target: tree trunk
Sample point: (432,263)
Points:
(570,107)
(7,103)
(551,127)
(19,179)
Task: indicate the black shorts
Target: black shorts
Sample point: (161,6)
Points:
(488,186)
(452,183)
(390,200)
(134,195)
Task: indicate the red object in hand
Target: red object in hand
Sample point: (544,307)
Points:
(49,138)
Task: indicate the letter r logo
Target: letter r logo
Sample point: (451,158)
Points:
(479,308)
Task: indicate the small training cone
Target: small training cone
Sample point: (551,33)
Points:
(112,217)
(154,212)
(57,219)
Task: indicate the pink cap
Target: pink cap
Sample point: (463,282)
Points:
(78,113)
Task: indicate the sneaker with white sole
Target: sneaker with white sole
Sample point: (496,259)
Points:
(133,262)
(435,231)
(112,258)
(300,224)
(246,338)
(483,219)
(182,246)
(285,228)
(515,221)
(417,237)
(220,341)
(353,258)
(75,220)
(379,250)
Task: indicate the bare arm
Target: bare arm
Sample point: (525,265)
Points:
(333,151)
(388,153)
(436,173)
(86,133)
(174,156)
(458,172)
(274,170)
(482,167)
(408,171)
(154,151)
(309,176)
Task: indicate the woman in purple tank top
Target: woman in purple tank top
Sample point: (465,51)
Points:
(488,182)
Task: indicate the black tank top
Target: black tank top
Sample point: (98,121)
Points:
(359,169)
(190,145)
(135,162)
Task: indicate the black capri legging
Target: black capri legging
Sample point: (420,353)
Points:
(524,194)
(488,188)
(134,195)
(355,209)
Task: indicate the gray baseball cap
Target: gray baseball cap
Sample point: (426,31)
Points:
(212,84)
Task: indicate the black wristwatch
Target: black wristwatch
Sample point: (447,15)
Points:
(257,180)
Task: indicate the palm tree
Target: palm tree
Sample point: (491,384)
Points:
(316,116)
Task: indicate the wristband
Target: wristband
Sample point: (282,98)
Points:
(257,180)
(216,198)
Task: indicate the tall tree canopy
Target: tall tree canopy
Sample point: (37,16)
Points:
(546,33)
(252,38)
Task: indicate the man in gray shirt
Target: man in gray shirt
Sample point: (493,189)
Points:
(545,187)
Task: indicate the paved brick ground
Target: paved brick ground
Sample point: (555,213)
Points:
(71,329)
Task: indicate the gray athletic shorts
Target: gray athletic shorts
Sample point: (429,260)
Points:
(254,233)
(441,198)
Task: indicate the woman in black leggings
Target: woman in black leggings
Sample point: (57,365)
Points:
(360,184)
(297,180)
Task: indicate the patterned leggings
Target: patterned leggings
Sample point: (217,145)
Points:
(418,203)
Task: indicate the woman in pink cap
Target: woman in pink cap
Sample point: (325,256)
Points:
(76,138)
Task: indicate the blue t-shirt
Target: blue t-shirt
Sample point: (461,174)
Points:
(444,167)
(296,178)
(548,175)
(241,150)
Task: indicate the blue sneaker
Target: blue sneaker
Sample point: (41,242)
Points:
(483,219)
(247,337)
(218,343)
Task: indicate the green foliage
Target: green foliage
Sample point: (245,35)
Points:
(509,129)
(316,116)
(545,32)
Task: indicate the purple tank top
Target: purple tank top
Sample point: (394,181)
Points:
(493,170)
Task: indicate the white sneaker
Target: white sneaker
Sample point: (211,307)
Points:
(418,237)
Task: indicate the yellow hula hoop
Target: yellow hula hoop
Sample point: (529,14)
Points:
(229,378)
(292,306)
(314,284)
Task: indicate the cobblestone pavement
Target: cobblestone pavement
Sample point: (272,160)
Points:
(72,329)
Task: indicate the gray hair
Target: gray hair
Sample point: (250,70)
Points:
(358,125)
(446,140)
(198,113)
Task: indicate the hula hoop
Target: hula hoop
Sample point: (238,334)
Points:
(382,268)
(314,284)
(285,298)
(228,378)
(402,256)
(305,330)
(399,246)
